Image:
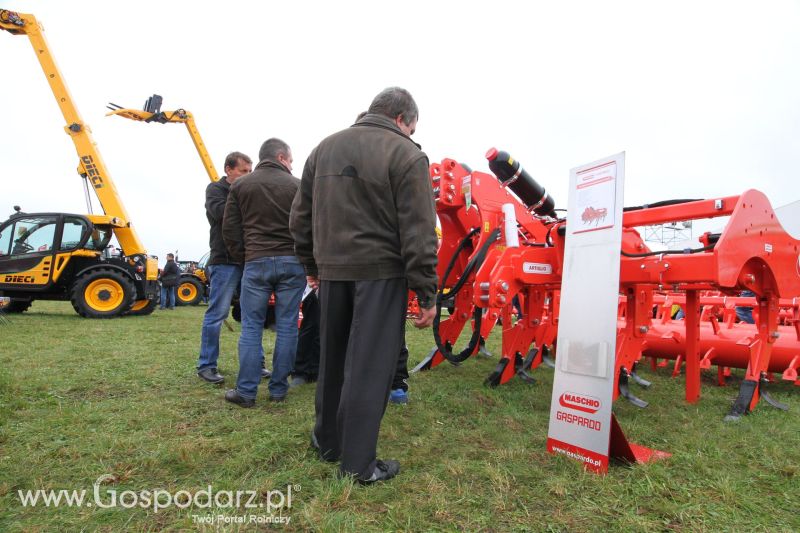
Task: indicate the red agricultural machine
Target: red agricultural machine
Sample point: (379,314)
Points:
(484,268)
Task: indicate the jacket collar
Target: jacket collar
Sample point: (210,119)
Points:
(381,121)
(269,163)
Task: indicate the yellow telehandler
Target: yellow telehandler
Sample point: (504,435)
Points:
(193,282)
(64,256)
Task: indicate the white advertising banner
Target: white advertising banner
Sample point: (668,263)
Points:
(583,386)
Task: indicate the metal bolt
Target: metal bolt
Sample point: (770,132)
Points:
(451,187)
(449,197)
(484,297)
(501,298)
(484,285)
(666,266)
(504,285)
(641,266)
(643,329)
(774,334)
(536,322)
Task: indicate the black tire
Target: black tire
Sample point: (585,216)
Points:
(189,291)
(17,306)
(102,293)
(143,308)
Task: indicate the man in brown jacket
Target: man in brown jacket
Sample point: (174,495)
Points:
(256,232)
(364,224)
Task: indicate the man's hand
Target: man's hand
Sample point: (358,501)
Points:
(313,282)
(425,318)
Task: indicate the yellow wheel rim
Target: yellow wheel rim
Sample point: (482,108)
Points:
(104,294)
(187,292)
(141,304)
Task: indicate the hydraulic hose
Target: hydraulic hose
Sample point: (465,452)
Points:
(670,252)
(446,349)
(661,204)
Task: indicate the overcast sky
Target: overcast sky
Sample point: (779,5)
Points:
(704,97)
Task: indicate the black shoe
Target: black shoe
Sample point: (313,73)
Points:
(265,373)
(384,471)
(277,399)
(233,396)
(327,457)
(211,375)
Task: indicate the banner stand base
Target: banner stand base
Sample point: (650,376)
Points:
(620,448)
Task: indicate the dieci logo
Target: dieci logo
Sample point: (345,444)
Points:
(579,402)
(19,279)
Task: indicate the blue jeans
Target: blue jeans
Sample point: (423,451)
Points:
(284,276)
(168,297)
(224,282)
(745,314)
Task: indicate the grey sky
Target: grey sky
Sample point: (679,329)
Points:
(702,96)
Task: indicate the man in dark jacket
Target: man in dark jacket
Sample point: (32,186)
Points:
(224,273)
(169,280)
(256,232)
(364,224)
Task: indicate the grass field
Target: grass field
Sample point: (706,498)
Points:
(80,399)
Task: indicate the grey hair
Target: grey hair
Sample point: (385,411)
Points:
(393,102)
(272,148)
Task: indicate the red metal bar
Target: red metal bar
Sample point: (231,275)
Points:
(685,211)
(692,354)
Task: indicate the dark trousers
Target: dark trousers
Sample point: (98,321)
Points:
(401,372)
(306,362)
(359,319)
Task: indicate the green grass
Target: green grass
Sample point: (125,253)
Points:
(82,398)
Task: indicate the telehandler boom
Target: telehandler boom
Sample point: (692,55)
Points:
(193,284)
(152,113)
